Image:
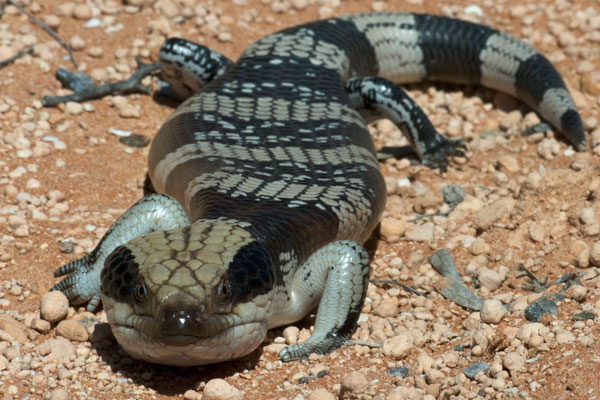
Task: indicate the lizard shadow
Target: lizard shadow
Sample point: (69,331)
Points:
(170,380)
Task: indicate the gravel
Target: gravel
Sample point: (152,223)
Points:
(515,201)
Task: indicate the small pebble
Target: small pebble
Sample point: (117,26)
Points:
(73,108)
(587,216)
(566,39)
(72,330)
(66,246)
(192,395)
(513,362)
(299,4)
(490,279)
(547,304)
(41,325)
(422,233)
(93,23)
(136,140)
(480,247)
(423,363)
(291,335)
(387,308)
(12,330)
(434,375)
(54,306)
(392,229)
(59,394)
(576,292)
(400,371)
(564,336)
(325,12)
(96,51)
(492,311)
(77,43)
(595,254)
(536,232)
(219,389)
(58,349)
(321,394)
(509,163)
(16,290)
(489,214)
(82,12)
(224,37)
(548,148)
(355,382)
(398,346)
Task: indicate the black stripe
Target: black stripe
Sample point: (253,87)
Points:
(276,226)
(345,35)
(297,70)
(206,62)
(451,48)
(120,275)
(534,77)
(347,329)
(311,134)
(572,127)
(251,273)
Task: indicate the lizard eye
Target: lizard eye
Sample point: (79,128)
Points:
(140,292)
(224,292)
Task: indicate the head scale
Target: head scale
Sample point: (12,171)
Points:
(181,297)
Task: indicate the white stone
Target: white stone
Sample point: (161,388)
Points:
(492,311)
(54,306)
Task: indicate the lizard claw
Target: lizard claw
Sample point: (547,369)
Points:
(438,156)
(82,282)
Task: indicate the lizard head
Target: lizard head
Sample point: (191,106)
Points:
(189,296)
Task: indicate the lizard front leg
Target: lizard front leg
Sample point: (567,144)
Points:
(156,212)
(337,274)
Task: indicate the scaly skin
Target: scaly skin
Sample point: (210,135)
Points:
(271,183)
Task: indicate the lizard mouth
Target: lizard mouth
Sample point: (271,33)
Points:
(187,349)
(179,340)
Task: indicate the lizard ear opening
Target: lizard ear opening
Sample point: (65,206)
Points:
(140,292)
(223,294)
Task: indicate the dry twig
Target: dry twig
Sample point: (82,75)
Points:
(89,90)
(402,285)
(9,60)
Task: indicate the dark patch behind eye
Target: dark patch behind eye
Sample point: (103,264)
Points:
(118,275)
(250,273)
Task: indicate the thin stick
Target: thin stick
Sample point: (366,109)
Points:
(46,28)
(362,343)
(131,85)
(402,285)
(9,60)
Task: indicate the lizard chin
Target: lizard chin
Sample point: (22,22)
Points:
(188,350)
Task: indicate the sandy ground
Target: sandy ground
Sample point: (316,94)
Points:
(63,175)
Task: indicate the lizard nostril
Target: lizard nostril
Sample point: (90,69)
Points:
(181,323)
